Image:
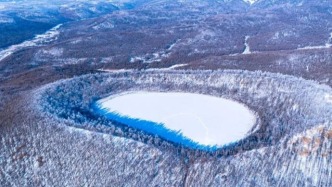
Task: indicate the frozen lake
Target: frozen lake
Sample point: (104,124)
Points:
(205,120)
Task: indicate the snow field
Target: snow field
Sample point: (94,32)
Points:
(206,120)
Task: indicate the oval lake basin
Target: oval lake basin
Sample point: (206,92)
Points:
(194,120)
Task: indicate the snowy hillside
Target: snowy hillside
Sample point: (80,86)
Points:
(166,93)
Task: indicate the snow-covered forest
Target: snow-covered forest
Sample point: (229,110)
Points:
(289,146)
(285,105)
(59,58)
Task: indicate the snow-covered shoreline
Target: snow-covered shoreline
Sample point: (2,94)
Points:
(75,99)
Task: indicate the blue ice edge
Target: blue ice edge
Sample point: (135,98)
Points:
(152,128)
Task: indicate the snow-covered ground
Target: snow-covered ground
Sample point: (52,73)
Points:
(156,56)
(39,39)
(250,1)
(327,45)
(204,119)
(247,49)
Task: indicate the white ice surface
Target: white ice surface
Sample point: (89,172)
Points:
(204,119)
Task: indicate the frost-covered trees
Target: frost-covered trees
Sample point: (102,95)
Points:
(285,105)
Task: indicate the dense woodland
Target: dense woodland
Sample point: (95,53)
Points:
(276,99)
(274,56)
